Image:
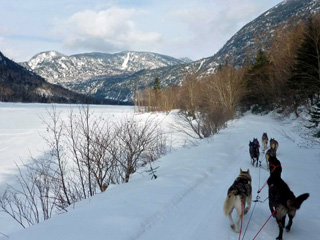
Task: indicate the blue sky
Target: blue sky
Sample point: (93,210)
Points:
(179,28)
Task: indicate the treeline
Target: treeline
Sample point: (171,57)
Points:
(283,76)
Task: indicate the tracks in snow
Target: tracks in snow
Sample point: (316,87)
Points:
(187,213)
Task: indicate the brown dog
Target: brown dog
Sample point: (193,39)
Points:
(265,140)
(270,153)
(274,144)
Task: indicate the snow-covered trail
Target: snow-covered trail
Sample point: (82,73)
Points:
(198,213)
(190,210)
(186,200)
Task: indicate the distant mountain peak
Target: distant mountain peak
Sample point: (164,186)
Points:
(50,54)
(43,57)
(186,60)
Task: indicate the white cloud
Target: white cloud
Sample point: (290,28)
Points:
(108,30)
(7,50)
(207,25)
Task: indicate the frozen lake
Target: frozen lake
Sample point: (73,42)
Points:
(22,128)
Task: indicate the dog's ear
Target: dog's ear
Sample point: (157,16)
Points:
(241,171)
(248,171)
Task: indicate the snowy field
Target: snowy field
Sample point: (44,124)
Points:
(186,200)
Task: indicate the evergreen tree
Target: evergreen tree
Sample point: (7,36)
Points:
(261,61)
(156,86)
(156,90)
(256,81)
(305,81)
(315,115)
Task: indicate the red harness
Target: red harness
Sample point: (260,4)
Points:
(275,166)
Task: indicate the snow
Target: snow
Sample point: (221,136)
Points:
(125,62)
(201,63)
(41,57)
(186,200)
(21,130)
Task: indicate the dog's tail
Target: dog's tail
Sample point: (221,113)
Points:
(229,203)
(296,203)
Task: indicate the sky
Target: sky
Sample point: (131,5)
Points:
(178,28)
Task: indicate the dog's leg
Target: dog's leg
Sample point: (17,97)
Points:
(239,216)
(248,200)
(281,224)
(231,220)
(288,227)
(291,215)
(271,207)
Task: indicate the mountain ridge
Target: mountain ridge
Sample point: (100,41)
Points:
(62,69)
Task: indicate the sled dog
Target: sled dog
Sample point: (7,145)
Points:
(275,167)
(283,201)
(265,140)
(270,153)
(239,194)
(274,144)
(254,151)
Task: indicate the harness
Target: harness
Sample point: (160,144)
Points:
(275,166)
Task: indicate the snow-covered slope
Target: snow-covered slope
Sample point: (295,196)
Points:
(186,200)
(71,70)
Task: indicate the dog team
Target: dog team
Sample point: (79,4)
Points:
(282,201)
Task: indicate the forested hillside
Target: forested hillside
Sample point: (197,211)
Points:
(282,77)
(17,84)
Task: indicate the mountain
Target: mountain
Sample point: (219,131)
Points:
(76,69)
(17,84)
(117,76)
(259,32)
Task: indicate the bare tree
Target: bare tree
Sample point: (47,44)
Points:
(55,142)
(74,140)
(103,162)
(86,127)
(32,200)
(134,141)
